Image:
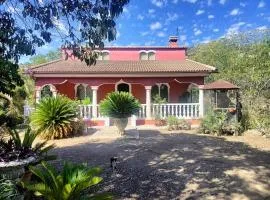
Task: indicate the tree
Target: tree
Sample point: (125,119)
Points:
(243,59)
(25,25)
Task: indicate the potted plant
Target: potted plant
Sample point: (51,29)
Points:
(119,106)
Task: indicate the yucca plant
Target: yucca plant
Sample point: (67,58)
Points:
(120,106)
(69,184)
(53,116)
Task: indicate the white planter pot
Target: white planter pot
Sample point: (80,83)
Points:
(121,124)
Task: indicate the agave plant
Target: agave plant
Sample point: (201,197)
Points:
(120,106)
(8,190)
(53,117)
(68,185)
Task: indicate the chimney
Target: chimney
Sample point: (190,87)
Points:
(173,41)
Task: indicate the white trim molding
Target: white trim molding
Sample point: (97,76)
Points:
(121,82)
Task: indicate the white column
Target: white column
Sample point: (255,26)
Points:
(201,101)
(148,101)
(38,93)
(94,101)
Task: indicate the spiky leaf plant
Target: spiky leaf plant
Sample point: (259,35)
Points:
(119,105)
(53,116)
(68,185)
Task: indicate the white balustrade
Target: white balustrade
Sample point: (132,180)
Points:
(27,110)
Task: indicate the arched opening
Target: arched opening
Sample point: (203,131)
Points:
(123,87)
(80,94)
(160,93)
(164,92)
(46,91)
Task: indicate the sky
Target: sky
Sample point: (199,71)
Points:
(151,22)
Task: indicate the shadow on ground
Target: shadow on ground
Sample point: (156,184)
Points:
(176,166)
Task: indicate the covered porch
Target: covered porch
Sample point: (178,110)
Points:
(181,96)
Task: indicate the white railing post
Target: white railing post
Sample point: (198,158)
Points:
(201,101)
(148,101)
(94,101)
(38,93)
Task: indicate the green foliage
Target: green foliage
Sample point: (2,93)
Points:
(177,124)
(53,116)
(159,100)
(18,148)
(86,101)
(213,122)
(8,190)
(119,105)
(237,56)
(78,126)
(69,184)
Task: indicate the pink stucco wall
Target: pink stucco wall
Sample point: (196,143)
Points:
(121,54)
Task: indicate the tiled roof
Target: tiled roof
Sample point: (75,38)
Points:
(128,67)
(220,84)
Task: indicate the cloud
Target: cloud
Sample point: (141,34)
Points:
(235,12)
(183,37)
(200,12)
(118,34)
(171,17)
(209,2)
(159,3)
(190,1)
(262,28)
(216,30)
(175,1)
(140,17)
(126,12)
(243,4)
(211,16)
(206,40)
(197,31)
(144,33)
(234,28)
(161,34)
(60,25)
(155,26)
(261,4)
(151,11)
(222,2)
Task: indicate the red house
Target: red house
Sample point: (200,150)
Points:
(144,71)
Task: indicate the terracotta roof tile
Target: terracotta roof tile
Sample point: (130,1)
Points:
(107,67)
(220,84)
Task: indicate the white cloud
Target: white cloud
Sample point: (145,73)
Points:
(262,28)
(211,16)
(222,2)
(235,12)
(200,12)
(149,43)
(216,30)
(175,1)
(234,28)
(261,4)
(197,31)
(140,17)
(190,1)
(161,34)
(183,37)
(243,4)
(155,26)
(159,3)
(126,12)
(206,40)
(171,17)
(144,33)
(118,34)
(60,25)
(209,2)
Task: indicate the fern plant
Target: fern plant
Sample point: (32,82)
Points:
(119,105)
(53,116)
(68,185)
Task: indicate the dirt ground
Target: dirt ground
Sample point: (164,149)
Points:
(157,164)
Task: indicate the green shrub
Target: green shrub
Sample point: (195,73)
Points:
(184,124)
(8,190)
(86,101)
(18,148)
(78,126)
(53,116)
(172,122)
(213,122)
(70,184)
(119,105)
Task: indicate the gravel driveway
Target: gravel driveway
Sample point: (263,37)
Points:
(159,165)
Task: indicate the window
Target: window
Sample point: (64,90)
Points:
(83,91)
(46,91)
(123,87)
(160,92)
(147,55)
